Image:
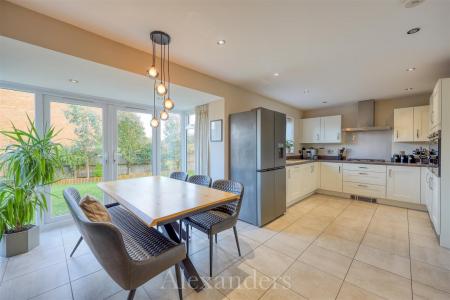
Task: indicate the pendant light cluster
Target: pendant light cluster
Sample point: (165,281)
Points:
(161,78)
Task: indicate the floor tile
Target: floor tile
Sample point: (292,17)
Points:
(61,293)
(240,281)
(430,275)
(122,295)
(208,293)
(351,292)
(311,282)
(424,240)
(396,246)
(34,283)
(32,261)
(422,292)
(221,260)
(246,245)
(94,286)
(83,265)
(292,244)
(345,232)
(412,213)
(278,291)
(438,256)
(384,260)
(389,231)
(268,261)
(326,260)
(282,222)
(259,234)
(337,244)
(314,222)
(353,222)
(164,286)
(2,270)
(377,281)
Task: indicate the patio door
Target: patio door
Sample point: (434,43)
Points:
(82,135)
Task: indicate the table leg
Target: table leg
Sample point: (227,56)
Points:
(190,273)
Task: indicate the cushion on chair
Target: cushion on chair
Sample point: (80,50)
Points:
(208,219)
(94,210)
(141,241)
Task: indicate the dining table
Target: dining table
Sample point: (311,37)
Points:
(161,202)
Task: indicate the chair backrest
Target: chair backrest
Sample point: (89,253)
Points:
(200,180)
(232,208)
(179,176)
(104,239)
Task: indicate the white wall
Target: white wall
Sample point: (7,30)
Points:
(216,111)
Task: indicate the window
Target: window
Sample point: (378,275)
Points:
(290,135)
(170,144)
(190,144)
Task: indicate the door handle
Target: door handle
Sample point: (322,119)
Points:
(417,133)
(339,169)
(362,167)
(362,185)
(397,133)
(361,173)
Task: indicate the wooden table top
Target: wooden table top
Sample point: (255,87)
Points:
(158,199)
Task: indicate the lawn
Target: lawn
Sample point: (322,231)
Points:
(59,206)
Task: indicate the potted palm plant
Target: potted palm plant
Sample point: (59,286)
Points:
(27,165)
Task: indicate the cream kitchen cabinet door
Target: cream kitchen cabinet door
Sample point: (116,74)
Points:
(436,202)
(331,176)
(435,107)
(403,184)
(311,130)
(331,129)
(404,124)
(421,123)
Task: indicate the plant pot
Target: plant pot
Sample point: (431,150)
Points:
(19,242)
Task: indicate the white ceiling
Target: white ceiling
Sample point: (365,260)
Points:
(39,67)
(340,50)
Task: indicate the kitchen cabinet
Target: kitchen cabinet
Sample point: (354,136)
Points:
(331,176)
(364,180)
(411,124)
(322,130)
(435,213)
(435,107)
(403,184)
(311,130)
(301,180)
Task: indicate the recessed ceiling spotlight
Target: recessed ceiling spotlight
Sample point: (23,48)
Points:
(413,30)
(408,89)
(324,102)
(411,69)
(73,80)
(221,42)
(306,91)
(276,74)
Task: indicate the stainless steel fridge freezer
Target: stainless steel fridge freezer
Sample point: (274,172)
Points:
(257,160)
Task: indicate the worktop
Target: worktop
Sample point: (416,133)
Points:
(293,162)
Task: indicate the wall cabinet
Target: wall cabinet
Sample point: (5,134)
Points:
(435,107)
(322,130)
(331,176)
(403,184)
(411,124)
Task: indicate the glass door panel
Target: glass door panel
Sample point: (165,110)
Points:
(82,138)
(171,144)
(134,145)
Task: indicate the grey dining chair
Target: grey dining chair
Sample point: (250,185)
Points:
(130,252)
(179,176)
(200,180)
(218,219)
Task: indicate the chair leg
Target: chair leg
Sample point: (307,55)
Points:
(187,239)
(76,246)
(215,238)
(131,294)
(180,288)
(210,254)
(180,234)
(237,240)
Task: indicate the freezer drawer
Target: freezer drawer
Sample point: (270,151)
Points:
(271,195)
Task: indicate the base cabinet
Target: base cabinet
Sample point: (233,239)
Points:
(331,176)
(403,184)
(301,180)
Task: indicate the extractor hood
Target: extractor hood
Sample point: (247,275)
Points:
(366,116)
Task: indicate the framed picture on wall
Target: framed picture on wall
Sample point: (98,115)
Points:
(216,130)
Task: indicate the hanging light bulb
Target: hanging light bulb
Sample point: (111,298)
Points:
(161,89)
(169,104)
(163,115)
(152,72)
(154,122)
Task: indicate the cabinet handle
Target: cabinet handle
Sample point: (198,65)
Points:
(317,136)
(362,167)
(417,133)
(339,169)
(390,172)
(338,136)
(397,133)
(361,173)
(362,185)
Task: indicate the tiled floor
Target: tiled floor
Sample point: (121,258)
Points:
(323,248)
